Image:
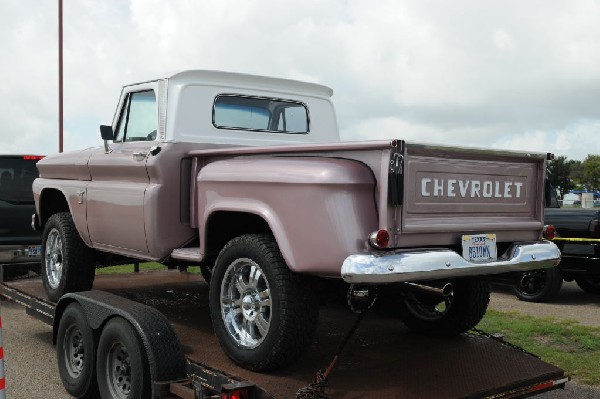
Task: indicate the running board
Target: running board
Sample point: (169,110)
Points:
(187,254)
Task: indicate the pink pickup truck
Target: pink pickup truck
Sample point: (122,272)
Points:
(246,176)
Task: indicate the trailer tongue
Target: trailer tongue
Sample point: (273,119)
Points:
(382,359)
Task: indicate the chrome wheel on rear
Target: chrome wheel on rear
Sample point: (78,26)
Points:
(246,303)
(53,258)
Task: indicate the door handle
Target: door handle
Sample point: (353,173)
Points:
(139,156)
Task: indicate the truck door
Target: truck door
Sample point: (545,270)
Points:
(115,196)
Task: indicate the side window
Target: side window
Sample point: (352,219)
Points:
(260,114)
(138,118)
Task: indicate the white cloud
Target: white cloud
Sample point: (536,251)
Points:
(490,73)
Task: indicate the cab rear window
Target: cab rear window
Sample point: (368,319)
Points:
(17,174)
(260,114)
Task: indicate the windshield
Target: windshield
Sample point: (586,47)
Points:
(16,177)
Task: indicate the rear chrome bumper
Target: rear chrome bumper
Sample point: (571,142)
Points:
(434,264)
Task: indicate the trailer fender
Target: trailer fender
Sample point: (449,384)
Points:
(163,350)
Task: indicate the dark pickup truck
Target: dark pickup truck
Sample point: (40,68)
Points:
(20,245)
(577,234)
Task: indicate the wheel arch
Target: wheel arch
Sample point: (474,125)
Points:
(161,345)
(52,200)
(224,225)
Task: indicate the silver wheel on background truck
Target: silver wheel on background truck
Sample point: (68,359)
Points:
(68,265)
(453,314)
(263,314)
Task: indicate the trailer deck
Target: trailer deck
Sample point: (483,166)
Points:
(383,359)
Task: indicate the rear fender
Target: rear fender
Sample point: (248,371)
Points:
(320,210)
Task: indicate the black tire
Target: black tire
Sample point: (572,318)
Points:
(76,353)
(279,319)
(539,285)
(206,272)
(68,265)
(590,284)
(426,314)
(122,365)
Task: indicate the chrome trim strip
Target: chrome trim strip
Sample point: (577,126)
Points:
(433,264)
(476,150)
(163,85)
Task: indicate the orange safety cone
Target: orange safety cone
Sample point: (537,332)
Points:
(2,380)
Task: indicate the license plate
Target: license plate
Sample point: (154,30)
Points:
(479,247)
(34,250)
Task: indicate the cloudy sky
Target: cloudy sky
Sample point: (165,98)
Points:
(521,75)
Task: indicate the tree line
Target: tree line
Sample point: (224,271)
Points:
(568,174)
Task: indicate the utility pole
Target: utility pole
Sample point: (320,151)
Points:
(60,76)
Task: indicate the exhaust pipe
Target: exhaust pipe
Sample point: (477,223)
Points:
(444,291)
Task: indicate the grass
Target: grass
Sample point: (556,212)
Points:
(564,343)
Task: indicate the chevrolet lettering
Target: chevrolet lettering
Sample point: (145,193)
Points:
(464,188)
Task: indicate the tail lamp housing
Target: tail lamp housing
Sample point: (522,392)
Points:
(549,232)
(379,239)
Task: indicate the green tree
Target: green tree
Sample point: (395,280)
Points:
(576,174)
(559,171)
(591,172)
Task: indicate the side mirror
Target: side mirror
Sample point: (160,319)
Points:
(107,132)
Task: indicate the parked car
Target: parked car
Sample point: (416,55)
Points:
(20,246)
(576,231)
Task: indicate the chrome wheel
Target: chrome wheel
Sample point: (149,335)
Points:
(246,303)
(118,370)
(53,258)
(74,352)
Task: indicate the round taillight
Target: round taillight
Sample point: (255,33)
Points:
(549,232)
(379,239)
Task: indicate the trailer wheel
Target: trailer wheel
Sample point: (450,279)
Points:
(446,316)
(539,285)
(263,314)
(590,284)
(76,353)
(122,368)
(68,265)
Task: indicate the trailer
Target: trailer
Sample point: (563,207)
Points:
(162,321)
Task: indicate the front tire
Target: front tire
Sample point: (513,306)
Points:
(122,367)
(76,353)
(539,285)
(462,310)
(590,284)
(68,265)
(263,314)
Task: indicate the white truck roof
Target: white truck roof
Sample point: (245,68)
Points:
(246,81)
